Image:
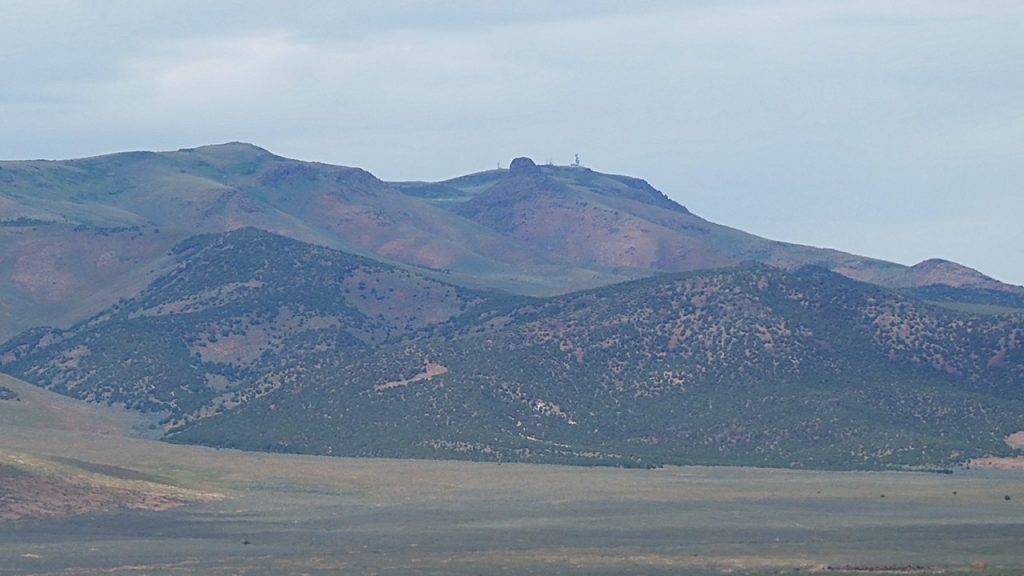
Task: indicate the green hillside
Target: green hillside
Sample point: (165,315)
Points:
(745,366)
(261,342)
(237,306)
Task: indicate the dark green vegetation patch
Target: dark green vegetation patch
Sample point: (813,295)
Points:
(259,342)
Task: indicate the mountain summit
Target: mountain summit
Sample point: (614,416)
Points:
(540,313)
(943,272)
(77,235)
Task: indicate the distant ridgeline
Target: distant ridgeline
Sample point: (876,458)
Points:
(77,236)
(257,341)
(541,313)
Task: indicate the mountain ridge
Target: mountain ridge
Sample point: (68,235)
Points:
(100,228)
(262,342)
(540,313)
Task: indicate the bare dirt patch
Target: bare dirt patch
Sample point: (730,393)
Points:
(430,370)
(38,488)
(998,463)
(1016,440)
(42,273)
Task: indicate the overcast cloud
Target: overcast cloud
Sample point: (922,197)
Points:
(890,129)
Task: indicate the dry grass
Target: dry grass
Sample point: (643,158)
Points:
(320,515)
(37,487)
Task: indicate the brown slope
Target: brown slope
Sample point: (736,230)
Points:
(609,221)
(77,235)
(229,186)
(34,484)
(220,188)
(532,230)
(53,274)
(582,226)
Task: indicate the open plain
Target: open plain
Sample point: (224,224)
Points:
(231,512)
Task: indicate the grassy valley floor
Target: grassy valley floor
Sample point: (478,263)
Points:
(230,512)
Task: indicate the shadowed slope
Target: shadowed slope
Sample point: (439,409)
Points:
(262,342)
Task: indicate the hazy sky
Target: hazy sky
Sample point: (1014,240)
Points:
(887,128)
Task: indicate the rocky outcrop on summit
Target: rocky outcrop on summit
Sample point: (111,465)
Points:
(523,166)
